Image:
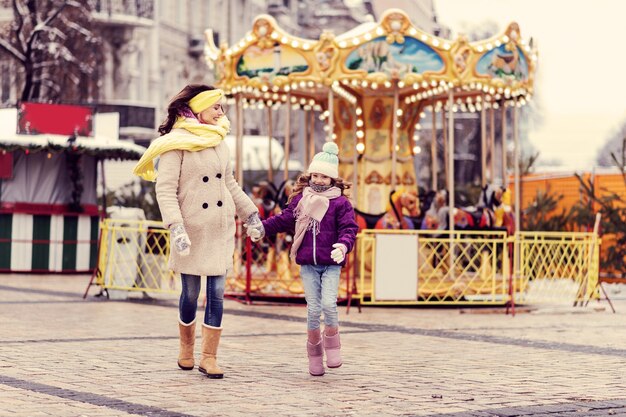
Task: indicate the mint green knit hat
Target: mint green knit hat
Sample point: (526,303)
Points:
(327,161)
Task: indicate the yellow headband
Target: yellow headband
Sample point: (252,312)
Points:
(205,99)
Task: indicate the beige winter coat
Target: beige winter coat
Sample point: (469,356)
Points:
(198,189)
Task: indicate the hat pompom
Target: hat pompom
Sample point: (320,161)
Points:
(331,147)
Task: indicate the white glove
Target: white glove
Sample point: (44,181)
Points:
(254,227)
(339,253)
(179,239)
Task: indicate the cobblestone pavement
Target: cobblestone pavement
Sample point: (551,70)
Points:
(61,355)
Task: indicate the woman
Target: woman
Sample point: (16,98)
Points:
(198,198)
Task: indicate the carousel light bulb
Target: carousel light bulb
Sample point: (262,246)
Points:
(360,134)
(397,148)
(293,99)
(401,84)
(368,36)
(505,39)
(379,31)
(398,124)
(359,123)
(355,41)
(284,39)
(275,96)
(407,100)
(416,138)
(435,42)
(412,32)
(479,48)
(489,46)
(364,84)
(399,112)
(359,111)
(418,126)
(387,84)
(360,147)
(306,46)
(326,128)
(274,35)
(497,42)
(295,44)
(343,44)
(417,150)
(422,114)
(424,38)
(302,101)
(416,86)
(374,86)
(446,46)
(334,136)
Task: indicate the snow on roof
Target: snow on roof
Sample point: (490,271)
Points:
(105,143)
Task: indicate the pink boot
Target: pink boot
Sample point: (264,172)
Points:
(316,358)
(332,346)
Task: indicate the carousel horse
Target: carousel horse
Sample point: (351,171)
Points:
(491,213)
(403,204)
(495,203)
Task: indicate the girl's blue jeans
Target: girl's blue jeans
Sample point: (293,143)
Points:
(321,285)
(214,299)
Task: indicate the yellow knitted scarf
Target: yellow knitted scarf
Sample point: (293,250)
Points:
(204,136)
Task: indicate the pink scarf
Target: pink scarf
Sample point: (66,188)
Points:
(310,212)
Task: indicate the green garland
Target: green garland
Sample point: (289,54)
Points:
(120,154)
(75,170)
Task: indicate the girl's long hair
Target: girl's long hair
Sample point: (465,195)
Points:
(179,103)
(303,181)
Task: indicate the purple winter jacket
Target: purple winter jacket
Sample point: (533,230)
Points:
(337,226)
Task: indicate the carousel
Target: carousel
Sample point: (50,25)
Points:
(375,88)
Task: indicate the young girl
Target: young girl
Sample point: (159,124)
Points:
(325,231)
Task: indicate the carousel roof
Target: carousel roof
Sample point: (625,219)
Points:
(270,67)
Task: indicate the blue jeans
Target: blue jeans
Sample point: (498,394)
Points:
(321,285)
(214,299)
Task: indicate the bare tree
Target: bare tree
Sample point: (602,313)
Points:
(611,149)
(53,43)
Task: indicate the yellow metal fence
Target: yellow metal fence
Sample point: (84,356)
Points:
(458,267)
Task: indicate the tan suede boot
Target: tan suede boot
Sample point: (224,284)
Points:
(187,340)
(208,358)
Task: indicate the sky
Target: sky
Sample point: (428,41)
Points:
(581,75)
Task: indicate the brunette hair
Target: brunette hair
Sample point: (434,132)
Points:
(179,103)
(303,181)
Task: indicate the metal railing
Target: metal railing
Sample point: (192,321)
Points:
(452,267)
